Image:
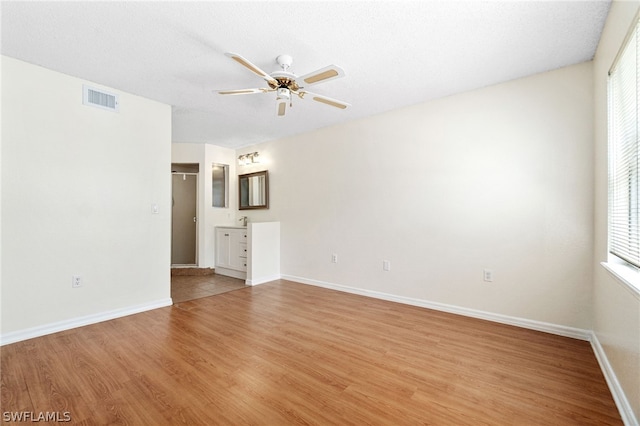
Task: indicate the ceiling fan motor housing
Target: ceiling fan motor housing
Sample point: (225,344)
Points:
(284,80)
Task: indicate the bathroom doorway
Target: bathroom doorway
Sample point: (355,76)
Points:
(184,214)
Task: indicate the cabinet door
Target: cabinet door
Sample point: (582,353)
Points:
(223,247)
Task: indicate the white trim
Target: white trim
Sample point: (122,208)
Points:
(624,275)
(197,218)
(619,397)
(622,403)
(219,270)
(42,330)
(561,330)
(262,280)
(624,407)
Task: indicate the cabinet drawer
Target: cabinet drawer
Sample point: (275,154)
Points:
(243,250)
(242,266)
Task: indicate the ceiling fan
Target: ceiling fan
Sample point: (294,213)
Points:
(286,84)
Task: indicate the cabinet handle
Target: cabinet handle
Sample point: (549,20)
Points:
(226,235)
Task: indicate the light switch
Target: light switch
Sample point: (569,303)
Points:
(487,275)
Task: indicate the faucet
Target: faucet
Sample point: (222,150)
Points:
(244,220)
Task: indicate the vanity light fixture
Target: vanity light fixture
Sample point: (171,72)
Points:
(246,159)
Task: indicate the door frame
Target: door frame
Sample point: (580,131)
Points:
(197,201)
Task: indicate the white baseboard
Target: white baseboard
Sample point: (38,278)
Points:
(30,333)
(626,412)
(231,273)
(262,280)
(624,407)
(561,330)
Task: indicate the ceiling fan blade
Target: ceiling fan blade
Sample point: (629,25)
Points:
(281,107)
(254,69)
(320,76)
(323,99)
(242,91)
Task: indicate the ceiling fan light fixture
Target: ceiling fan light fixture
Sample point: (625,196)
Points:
(283,93)
(286,84)
(281,107)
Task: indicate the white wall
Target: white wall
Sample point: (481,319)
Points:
(210,217)
(263,258)
(616,310)
(496,178)
(78,184)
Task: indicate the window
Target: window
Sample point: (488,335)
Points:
(624,155)
(220,185)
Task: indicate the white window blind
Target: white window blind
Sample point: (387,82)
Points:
(624,188)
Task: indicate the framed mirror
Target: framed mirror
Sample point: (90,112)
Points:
(254,190)
(220,185)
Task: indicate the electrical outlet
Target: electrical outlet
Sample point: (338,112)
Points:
(488,275)
(76,281)
(334,258)
(386,265)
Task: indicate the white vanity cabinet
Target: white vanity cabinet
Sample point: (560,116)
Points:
(251,253)
(231,252)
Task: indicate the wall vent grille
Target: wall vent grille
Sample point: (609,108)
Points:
(100,98)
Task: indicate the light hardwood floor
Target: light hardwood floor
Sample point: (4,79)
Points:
(285,353)
(190,287)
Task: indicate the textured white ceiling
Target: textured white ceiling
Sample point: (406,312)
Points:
(394,53)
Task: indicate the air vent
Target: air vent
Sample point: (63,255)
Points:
(99,98)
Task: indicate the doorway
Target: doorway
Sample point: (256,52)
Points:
(184,214)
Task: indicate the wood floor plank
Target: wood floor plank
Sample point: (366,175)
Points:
(13,386)
(286,353)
